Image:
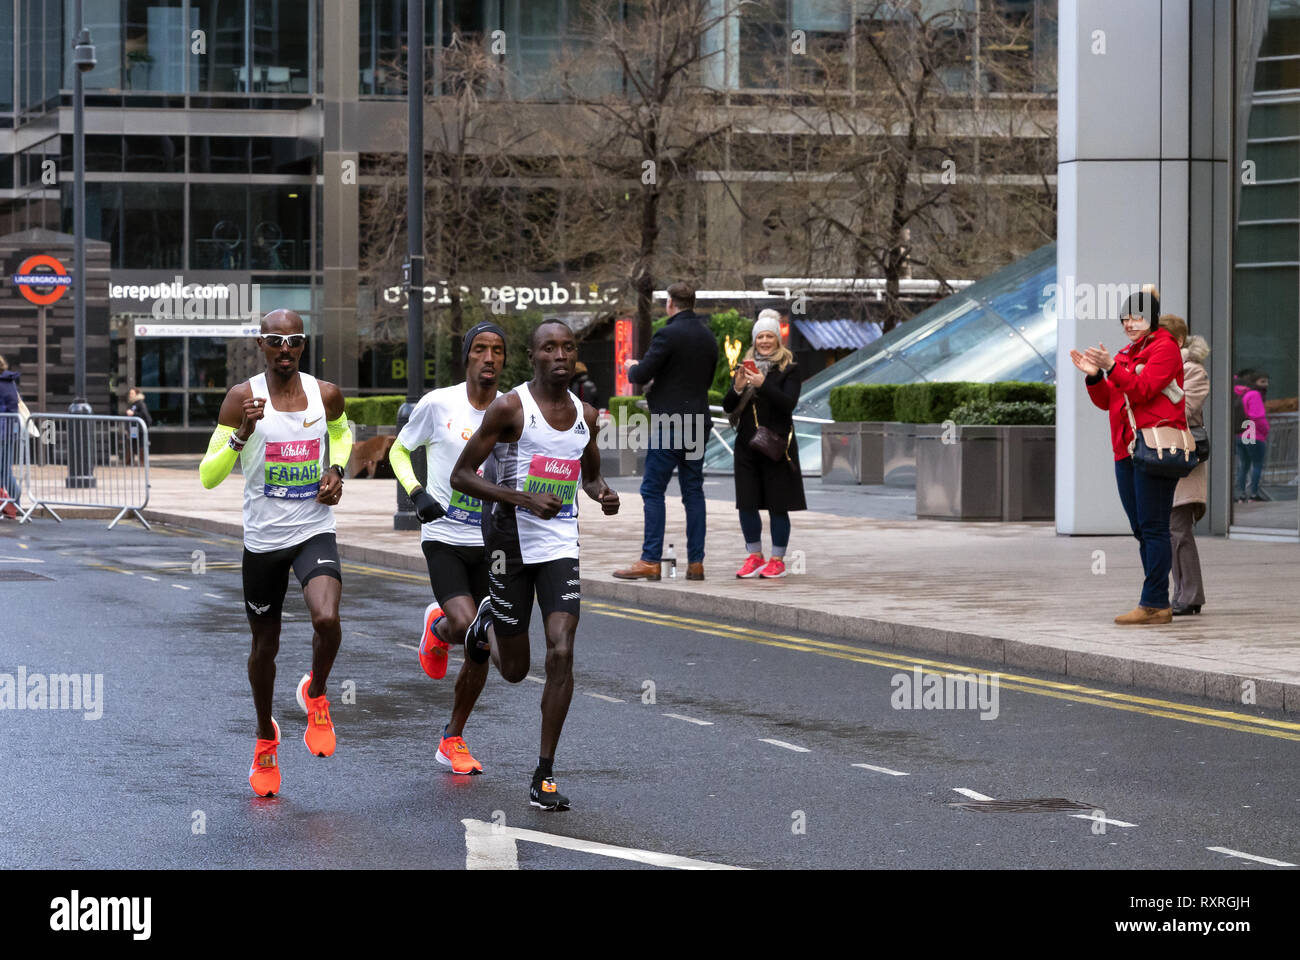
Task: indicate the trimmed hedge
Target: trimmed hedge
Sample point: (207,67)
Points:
(715,396)
(1020,391)
(380,411)
(934,402)
(1022,413)
(620,408)
(863,401)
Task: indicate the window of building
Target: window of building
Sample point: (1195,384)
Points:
(154,154)
(6,57)
(103,18)
(218,226)
(154,45)
(383,48)
(280,41)
(280,228)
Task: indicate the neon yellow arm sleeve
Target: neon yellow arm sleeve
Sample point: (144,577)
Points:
(216,466)
(399,458)
(340,442)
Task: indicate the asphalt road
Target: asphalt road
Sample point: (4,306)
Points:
(761,748)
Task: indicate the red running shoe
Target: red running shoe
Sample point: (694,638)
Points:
(433,652)
(753,563)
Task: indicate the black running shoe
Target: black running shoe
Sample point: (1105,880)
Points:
(476,635)
(544,794)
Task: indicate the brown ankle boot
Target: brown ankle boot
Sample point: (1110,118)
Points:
(641,570)
(1146,616)
(695,571)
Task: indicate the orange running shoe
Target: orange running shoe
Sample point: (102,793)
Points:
(453,753)
(264,771)
(319,735)
(433,652)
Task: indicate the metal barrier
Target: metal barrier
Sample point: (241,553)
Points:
(1282,457)
(72,460)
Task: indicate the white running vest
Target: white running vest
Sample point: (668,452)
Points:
(543,460)
(282,464)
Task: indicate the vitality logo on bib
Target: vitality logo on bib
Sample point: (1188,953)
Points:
(292,470)
(557,476)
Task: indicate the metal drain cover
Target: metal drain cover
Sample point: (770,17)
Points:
(1047,805)
(21,575)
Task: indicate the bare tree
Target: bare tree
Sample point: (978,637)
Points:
(479,212)
(904,164)
(650,122)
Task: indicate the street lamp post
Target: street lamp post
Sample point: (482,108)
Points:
(81,461)
(405,518)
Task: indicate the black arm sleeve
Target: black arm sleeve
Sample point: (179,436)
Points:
(654,358)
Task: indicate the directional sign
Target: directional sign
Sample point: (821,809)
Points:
(42,279)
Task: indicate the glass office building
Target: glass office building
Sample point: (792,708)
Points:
(216,129)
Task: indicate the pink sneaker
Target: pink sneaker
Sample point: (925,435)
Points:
(775,568)
(752,565)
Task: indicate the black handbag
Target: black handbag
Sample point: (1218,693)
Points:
(1202,438)
(768,442)
(1162,451)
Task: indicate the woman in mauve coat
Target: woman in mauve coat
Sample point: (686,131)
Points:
(1190,494)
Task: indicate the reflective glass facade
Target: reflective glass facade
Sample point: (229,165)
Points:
(1266,276)
(1000,328)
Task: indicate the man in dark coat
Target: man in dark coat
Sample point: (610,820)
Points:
(681,362)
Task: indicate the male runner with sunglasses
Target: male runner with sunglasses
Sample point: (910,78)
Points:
(275,424)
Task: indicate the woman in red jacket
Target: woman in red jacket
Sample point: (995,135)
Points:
(1140,375)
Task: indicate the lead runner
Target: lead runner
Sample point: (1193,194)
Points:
(544,440)
(275,424)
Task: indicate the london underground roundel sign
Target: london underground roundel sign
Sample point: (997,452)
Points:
(42,279)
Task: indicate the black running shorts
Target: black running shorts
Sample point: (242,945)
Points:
(456,570)
(554,583)
(266,575)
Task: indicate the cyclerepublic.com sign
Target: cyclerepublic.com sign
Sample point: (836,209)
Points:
(42,279)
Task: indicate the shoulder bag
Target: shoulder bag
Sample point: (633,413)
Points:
(1161,451)
(768,442)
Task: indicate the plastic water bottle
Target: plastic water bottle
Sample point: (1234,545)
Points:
(671,559)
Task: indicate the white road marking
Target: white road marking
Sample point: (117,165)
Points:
(409,646)
(1113,823)
(782,743)
(601,696)
(179,587)
(485,849)
(971,793)
(1250,856)
(700,723)
(892,773)
(153,579)
(488,847)
(19,559)
(535,679)
(213,596)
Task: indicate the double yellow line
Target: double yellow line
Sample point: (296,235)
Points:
(1153,707)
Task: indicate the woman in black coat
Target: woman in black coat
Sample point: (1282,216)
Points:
(765,397)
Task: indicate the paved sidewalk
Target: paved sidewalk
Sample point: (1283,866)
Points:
(1014,594)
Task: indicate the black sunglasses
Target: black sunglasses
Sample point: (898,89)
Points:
(294,340)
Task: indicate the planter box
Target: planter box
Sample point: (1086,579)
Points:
(622,461)
(853,452)
(899,455)
(985,473)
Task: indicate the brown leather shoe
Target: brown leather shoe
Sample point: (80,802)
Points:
(1145,616)
(641,570)
(695,571)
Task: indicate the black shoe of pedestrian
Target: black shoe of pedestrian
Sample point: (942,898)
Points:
(1258,499)
(543,794)
(1192,609)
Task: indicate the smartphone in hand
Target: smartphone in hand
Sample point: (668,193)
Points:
(751,366)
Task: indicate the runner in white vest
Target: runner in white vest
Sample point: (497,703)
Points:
(276,425)
(451,535)
(544,439)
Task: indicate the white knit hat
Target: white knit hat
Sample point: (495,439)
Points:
(769,321)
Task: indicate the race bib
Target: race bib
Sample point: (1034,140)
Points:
(292,470)
(465,509)
(553,475)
